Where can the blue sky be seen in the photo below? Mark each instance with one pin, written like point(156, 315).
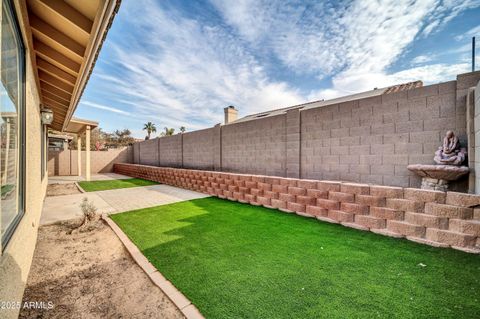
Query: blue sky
point(179, 63)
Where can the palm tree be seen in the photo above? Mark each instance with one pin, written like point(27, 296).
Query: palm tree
point(182, 129)
point(150, 128)
point(168, 131)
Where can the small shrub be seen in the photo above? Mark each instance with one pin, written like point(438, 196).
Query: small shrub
point(90, 216)
point(89, 210)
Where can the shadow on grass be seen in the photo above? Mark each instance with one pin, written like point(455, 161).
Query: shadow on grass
point(237, 260)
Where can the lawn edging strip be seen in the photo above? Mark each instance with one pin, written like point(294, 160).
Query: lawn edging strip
point(184, 305)
point(79, 187)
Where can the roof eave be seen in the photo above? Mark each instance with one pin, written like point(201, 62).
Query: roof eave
point(101, 26)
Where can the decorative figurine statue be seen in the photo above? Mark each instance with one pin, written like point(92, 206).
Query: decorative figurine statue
point(450, 157)
point(450, 153)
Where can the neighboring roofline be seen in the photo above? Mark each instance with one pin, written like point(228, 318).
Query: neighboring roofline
point(312, 104)
point(321, 103)
point(83, 123)
point(105, 22)
point(8, 114)
point(64, 137)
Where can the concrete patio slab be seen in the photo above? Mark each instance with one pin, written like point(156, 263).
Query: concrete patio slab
point(94, 177)
point(66, 207)
point(60, 208)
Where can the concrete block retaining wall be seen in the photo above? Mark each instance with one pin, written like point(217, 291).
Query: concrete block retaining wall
point(444, 219)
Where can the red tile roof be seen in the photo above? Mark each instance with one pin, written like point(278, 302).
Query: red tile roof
point(403, 87)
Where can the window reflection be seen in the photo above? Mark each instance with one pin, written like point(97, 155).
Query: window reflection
point(10, 124)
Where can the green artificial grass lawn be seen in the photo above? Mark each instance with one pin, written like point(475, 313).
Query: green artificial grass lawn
point(94, 186)
point(234, 260)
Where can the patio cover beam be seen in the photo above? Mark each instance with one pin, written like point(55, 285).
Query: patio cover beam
point(47, 78)
point(44, 30)
point(54, 57)
point(68, 14)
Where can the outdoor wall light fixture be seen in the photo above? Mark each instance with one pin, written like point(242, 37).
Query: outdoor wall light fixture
point(47, 116)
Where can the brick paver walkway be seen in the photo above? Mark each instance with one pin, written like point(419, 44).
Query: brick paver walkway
point(94, 177)
point(66, 207)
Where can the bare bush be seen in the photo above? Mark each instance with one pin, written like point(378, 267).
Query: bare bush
point(90, 216)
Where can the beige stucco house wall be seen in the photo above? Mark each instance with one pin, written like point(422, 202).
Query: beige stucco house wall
point(18, 253)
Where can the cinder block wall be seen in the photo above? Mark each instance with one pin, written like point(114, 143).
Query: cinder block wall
point(443, 219)
point(59, 163)
point(170, 151)
point(476, 137)
point(136, 153)
point(199, 149)
point(149, 152)
point(256, 147)
point(64, 163)
point(368, 140)
point(373, 140)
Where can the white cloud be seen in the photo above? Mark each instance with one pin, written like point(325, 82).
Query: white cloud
point(355, 41)
point(429, 74)
point(302, 36)
point(104, 107)
point(323, 38)
point(444, 11)
point(346, 84)
point(176, 69)
point(185, 72)
point(421, 59)
point(470, 33)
